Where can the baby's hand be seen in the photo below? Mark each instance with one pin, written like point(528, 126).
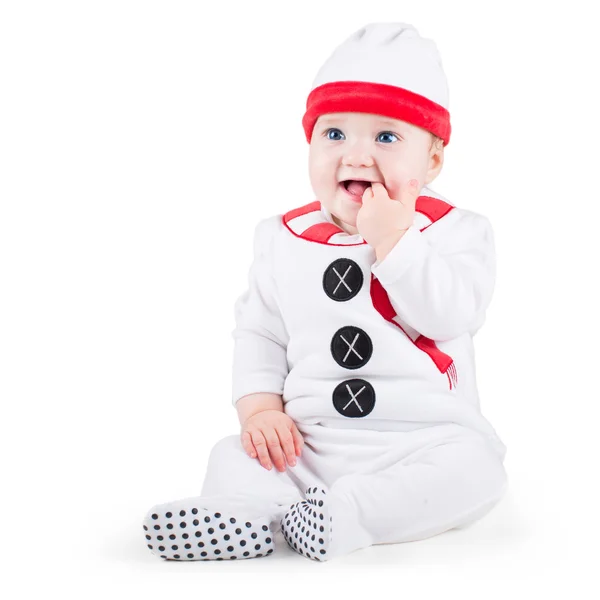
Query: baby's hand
point(275, 433)
point(385, 213)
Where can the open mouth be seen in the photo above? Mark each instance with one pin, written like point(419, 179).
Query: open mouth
point(355, 188)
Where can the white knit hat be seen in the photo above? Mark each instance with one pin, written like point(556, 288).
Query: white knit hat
point(385, 69)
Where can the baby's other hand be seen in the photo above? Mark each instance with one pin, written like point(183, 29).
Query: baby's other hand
point(269, 435)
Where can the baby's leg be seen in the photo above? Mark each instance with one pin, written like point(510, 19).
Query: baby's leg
point(431, 491)
point(231, 472)
point(233, 516)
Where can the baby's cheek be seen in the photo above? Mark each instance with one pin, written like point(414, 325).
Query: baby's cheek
point(393, 187)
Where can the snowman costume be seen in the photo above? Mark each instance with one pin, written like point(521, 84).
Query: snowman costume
point(374, 359)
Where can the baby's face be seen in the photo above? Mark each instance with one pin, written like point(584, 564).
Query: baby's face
point(359, 145)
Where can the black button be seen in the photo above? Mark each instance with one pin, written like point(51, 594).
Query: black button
point(354, 398)
point(342, 279)
point(351, 347)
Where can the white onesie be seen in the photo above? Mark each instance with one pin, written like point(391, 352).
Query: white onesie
point(375, 364)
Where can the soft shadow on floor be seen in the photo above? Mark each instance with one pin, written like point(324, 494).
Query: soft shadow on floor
point(498, 534)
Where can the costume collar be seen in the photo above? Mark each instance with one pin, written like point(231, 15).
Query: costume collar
point(313, 222)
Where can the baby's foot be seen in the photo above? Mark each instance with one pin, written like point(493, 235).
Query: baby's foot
point(307, 526)
point(184, 530)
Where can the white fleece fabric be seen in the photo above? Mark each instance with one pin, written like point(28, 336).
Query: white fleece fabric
point(395, 449)
point(440, 282)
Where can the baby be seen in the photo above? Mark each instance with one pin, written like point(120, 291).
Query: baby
point(353, 366)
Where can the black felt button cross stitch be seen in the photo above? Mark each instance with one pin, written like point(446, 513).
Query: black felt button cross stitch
point(342, 279)
point(354, 398)
point(351, 347)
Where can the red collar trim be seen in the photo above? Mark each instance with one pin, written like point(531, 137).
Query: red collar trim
point(310, 223)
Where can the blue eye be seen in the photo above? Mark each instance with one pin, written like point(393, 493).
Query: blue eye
point(387, 133)
point(329, 131)
point(335, 130)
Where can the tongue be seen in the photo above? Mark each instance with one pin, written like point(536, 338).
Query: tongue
point(358, 187)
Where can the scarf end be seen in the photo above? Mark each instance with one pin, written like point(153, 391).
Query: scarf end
point(452, 375)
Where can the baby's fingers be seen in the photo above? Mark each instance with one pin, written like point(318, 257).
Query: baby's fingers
point(275, 449)
point(260, 444)
point(248, 445)
point(287, 444)
point(298, 439)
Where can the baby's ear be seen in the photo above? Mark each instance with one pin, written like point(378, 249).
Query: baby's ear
point(436, 162)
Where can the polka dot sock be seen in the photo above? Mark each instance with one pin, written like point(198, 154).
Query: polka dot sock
point(307, 526)
point(184, 530)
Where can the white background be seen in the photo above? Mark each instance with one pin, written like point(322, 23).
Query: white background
point(140, 143)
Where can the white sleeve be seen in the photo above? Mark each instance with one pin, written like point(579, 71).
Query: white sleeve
point(260, 337)
point(441, 280)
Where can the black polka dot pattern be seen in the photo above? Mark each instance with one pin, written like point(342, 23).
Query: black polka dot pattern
point(307, 526)
point(210, 536)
